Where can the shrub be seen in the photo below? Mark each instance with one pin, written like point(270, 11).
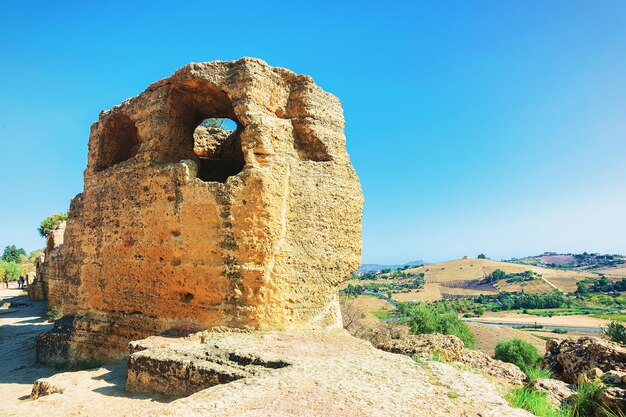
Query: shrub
point(615, 331)
point(53, 314)
point(426, 321)
point(518, 352)
point(49, 223)
point(479, 311)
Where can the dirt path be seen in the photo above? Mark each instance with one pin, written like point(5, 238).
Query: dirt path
point(549, 283)
point(91, 391)
point(21, 319)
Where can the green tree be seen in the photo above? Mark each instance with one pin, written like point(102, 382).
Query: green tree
point(482, 256)
point(518, 352)
point(49, 223)
point(616, 331)
point(496, 275)
point(10, 272)
point(582, 288)
point(13, 254)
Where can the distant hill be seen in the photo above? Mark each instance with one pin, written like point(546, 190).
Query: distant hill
point(379, 267)
point(574, 261)
point(466, 277)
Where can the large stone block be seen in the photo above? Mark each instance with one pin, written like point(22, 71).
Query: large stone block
point(180, 229)
point(571, 359)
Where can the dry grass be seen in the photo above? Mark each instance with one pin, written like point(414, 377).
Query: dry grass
point(344, 285)
point(487, 337)
point(613, 273)
point(430, 292)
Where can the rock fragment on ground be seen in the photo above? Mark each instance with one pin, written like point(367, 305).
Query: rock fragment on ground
point(557, 391)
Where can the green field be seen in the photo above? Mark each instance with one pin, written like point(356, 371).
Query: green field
point(383, 314)
point(565, 311)
point(617, 317)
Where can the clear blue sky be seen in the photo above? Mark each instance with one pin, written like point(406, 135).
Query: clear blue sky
point(475, 126)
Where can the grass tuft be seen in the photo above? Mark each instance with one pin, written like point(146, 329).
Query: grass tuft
point(539, 373)
point(534, 402)
point(586, 399)
point(452, 394)
point(584, 404)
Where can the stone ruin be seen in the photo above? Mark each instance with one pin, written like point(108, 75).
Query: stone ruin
point(183, 227)
point(38, 290)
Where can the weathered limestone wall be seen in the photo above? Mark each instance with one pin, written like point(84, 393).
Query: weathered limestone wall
point(164, 240)
point(38, 287)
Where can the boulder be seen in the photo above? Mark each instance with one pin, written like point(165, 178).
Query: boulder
point(556, 391)
point(613, 399)
point(613, 377)
point(502, 371)
point(43, 387)
point(595, 373)
point(424, 346)
point(571, 359)
point(181, 368)
point(53, 347)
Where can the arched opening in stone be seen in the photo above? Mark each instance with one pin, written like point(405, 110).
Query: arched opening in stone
point(118, 141)
point(202, 126)
point(217, 144)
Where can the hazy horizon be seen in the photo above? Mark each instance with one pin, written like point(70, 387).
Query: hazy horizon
point(482, 127)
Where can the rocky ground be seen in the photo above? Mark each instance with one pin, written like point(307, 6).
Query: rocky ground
point(328, 373)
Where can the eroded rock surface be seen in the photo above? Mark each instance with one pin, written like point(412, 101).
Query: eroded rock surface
point(330, 373)
point(571, 359)
point(180, 368)
point(450, 348)
point(424, 346)
point(179, 230)
point(556, 391)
